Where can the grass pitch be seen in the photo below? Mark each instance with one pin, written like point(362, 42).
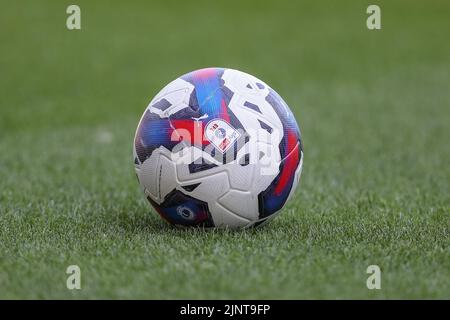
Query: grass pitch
point(374, 110)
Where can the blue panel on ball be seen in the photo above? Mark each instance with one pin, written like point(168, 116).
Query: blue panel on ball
point(181, 209)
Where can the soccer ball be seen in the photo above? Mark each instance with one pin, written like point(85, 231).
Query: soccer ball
point(218, 148)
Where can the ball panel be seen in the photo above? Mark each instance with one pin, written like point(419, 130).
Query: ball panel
point(276, 195)
point(181, 209)
point(243, 203)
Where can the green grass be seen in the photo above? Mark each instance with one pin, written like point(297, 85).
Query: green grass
point(374, 109)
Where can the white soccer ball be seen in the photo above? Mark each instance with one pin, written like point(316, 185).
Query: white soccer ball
point(218, 148)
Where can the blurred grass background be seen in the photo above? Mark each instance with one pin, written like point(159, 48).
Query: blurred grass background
point(373, 106)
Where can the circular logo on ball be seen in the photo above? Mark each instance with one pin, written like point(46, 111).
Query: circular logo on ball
point(185, 213)
point(221, 134)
